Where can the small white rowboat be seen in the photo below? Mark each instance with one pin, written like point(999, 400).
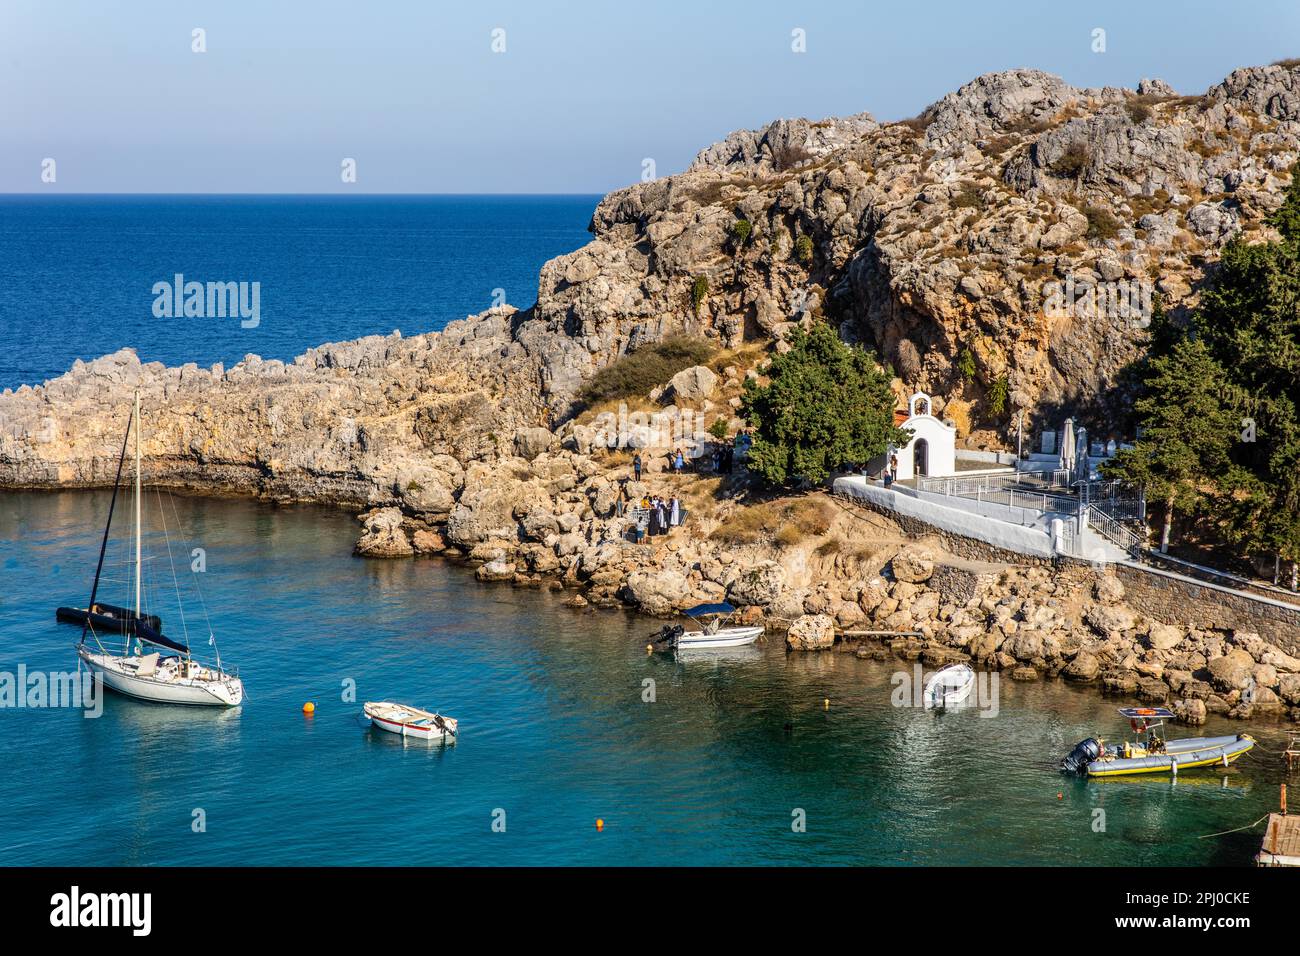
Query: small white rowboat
point(410, 721)
point(949, 687)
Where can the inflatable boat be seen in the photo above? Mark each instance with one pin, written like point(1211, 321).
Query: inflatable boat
point(1150, 752)
point(108, 618)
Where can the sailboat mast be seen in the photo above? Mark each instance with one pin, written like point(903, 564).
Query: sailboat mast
point(137, 506)
point(103, 544)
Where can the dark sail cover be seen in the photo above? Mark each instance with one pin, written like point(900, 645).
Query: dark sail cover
point(147, 633)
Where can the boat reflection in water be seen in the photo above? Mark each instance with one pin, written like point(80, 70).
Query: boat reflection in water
point(723, 655)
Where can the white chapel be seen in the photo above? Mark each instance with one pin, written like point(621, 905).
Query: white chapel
point(932, 451)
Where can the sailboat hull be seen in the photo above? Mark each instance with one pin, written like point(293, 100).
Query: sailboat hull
point(118, 675)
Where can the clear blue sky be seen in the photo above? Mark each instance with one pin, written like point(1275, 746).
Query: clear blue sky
point(584, 92)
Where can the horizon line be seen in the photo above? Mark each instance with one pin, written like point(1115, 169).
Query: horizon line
point(5, 195)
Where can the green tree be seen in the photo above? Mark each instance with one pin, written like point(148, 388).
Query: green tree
point(826, 404)
point(966, 364)
point(1249, 320)
point(1187, 431)
point(803, 249)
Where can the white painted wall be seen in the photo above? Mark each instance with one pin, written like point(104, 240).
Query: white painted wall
point(941, 458)
point(1001, 534)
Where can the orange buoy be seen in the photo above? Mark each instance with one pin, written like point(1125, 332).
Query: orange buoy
point(309, 708)
point(600, 824)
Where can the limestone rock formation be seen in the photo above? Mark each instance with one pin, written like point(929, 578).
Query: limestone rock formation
point(383, 537)
point(914, 565)
point(693, 384)
point(758, 585)
point(811, 632)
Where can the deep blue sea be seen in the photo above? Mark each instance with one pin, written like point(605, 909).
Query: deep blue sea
point(556, 731)
point(77, 272)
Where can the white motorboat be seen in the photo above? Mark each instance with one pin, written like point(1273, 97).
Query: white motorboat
point(949, 687)
point(407, 721)
point(712, 633)
point(176, 678)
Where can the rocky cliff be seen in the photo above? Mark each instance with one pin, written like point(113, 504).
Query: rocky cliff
point(931, 240)
point(936, 241)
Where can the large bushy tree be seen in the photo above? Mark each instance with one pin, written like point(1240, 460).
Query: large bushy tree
point(825, 404)
point(1222, 396)
point(1187, 431)
point(1250, 321)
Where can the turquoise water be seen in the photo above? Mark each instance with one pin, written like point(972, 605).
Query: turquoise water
point(554, 732)
point(77, 272)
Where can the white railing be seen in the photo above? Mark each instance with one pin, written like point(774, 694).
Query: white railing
point(966, 487)
point(1115, 532)
point(1005, 490)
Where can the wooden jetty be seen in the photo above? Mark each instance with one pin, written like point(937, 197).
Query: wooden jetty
point(1281, 839)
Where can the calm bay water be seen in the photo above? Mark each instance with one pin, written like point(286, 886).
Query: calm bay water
point(77, 272)
point(555, 732)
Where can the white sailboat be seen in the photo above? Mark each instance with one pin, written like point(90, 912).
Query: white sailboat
point(169, 676)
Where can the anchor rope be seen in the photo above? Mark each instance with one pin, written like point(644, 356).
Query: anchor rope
point(1249, 826)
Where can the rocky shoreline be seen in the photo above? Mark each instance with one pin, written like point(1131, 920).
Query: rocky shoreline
point(1030, 621)
point(930, 241)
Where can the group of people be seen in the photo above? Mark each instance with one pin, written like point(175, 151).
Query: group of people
point(723, 458)
point(655, 515)
point(676, 461)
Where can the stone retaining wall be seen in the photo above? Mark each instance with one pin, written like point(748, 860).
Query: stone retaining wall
point(1175, 599)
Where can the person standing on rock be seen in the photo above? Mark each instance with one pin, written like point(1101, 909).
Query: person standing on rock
point(674, 513)
point(679, 462)
point(636, 466)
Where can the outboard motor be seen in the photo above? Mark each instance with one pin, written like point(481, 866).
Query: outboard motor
point(1084, 753)
point(669, 632)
